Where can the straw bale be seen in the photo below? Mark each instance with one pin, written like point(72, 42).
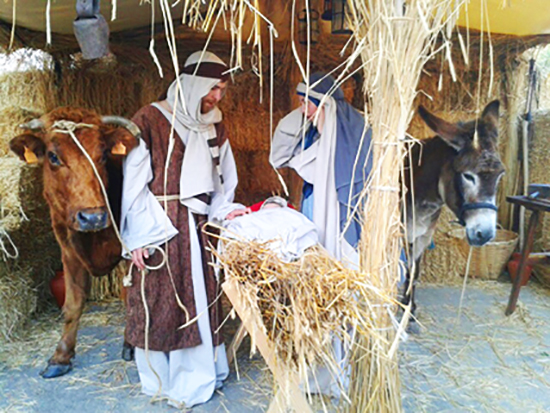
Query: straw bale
point(33, 89)
point(248, 119)
point(10, 119)
point(121, 91)
point(11, 211)
point(18, 300)
point(538, 168)
point(444, 264)
point(26, 223)
point(257, 178)
point(110, 285)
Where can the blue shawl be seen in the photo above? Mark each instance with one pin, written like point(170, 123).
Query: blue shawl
point(349, 147)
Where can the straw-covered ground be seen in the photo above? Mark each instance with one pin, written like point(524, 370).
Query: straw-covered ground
point(485, 362)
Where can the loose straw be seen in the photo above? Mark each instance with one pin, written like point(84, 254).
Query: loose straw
point(464, 283)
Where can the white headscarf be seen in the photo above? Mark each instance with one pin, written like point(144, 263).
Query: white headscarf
point(200, 172)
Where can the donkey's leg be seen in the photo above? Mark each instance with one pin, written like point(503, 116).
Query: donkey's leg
point(77, 282)
point(410, 286)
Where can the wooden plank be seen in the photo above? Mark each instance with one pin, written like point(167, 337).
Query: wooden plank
point(278, 404)
point(530, 203)
point(236, 343)
point(285, 378)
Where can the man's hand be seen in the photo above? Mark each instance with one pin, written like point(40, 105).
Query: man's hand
point(237, 213)
point(139, 255)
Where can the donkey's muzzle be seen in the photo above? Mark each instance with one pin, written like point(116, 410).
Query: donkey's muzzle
point(92, 219)
point(479, 236)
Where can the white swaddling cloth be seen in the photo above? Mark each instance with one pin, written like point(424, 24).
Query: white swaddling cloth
point(289, 231)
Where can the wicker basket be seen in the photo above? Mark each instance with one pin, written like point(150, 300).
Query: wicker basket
point(489, 261)
point(542, 274)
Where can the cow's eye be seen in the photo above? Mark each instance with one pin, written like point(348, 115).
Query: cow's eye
point(54, 159)
point(469, 177)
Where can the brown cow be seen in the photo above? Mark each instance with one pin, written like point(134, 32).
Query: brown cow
point(80, 219)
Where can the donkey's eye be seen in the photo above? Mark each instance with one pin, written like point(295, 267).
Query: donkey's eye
point(54, 159)
point(469, 177)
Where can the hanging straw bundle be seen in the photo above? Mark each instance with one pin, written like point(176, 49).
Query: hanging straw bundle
point(394, 41)
point(304, 304)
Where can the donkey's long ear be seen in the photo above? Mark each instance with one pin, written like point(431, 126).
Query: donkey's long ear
point(491, 113)
point(452, 134)
point(28, 147)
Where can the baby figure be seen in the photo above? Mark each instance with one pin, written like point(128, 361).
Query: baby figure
point(289, 231)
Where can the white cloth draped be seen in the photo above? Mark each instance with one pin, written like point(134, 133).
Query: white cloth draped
point(143, 220)
point(290, 232)
point(221, 203)
point(198, 173)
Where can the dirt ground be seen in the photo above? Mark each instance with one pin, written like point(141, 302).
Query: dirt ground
point(482, 362)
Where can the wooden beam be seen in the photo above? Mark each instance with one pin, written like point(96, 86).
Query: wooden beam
point(289, 389)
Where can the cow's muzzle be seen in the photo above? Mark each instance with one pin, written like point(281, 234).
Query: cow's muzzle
point(92, 219)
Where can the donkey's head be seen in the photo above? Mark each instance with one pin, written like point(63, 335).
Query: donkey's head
point(469, 180)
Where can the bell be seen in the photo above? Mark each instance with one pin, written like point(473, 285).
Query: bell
point(91, 30)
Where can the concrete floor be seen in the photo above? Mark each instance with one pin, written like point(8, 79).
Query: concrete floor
point(482, 362)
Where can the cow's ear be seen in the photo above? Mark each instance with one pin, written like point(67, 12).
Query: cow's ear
point(28, 147)
point(120, 141)
point(451, 133)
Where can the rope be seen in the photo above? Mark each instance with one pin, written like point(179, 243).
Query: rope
point(7, 254)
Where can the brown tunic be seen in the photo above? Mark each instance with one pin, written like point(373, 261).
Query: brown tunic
point(165, 316)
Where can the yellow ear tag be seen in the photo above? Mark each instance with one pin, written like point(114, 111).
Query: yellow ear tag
point(119, 149)
point(29, 155)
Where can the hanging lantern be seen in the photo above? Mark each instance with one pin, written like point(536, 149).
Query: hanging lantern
point(313, 26)
point(327, 11)
point(339, 23)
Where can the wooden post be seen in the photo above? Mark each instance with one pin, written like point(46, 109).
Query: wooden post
point(526, 250)
point(235, 343)
point(289, 393)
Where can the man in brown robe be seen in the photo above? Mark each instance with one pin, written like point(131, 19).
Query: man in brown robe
point(182, 175)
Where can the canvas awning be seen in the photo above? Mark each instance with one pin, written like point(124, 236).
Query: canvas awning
point(514, 17)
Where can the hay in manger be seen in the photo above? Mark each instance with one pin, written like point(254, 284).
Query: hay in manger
point(304, 305)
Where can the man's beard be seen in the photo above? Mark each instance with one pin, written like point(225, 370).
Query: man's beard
point(207, 107)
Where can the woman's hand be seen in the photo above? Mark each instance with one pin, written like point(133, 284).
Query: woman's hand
point(237, 213)
point(139, 255)
point(320, 121)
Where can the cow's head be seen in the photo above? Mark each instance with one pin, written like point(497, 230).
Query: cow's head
point(71, 187)
point(468, 183)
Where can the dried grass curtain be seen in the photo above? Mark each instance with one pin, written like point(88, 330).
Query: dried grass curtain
point(395, 39)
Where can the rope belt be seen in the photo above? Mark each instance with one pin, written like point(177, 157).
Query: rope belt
point(166, 198)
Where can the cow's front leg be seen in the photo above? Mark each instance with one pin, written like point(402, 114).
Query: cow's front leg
point(76, 288)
